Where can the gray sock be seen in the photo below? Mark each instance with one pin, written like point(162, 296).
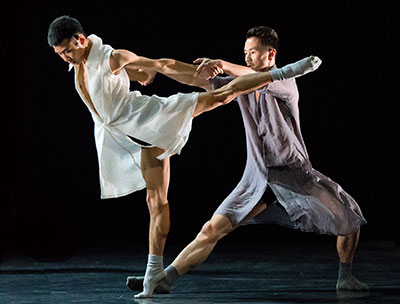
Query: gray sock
point(344, 269)
point(172, 274)
point(163, 286)
point(135, 283)
point(346, 281)
point(299, 68)
point(154, 274)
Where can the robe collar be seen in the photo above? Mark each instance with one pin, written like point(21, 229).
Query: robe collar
point(91, 61)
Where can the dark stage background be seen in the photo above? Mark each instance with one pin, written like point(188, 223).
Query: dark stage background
point(51, 198)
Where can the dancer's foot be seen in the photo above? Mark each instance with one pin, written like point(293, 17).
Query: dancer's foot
point(346, 280)
point(154, 274)
point(351, 283)
point(149, 284)
point(136, 284)
point(297, 69)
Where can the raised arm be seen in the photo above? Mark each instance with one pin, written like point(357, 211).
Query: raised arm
point(209, 68)
point(172, 68)
point(121, 58)
point(136, 74)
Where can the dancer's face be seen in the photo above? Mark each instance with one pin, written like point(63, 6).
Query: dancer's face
point(257, 56)
point(72, 50)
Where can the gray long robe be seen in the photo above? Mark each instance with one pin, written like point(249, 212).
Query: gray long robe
point(277, 157)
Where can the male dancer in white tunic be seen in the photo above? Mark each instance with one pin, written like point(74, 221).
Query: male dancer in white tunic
point(276, 158)
point(162, 125)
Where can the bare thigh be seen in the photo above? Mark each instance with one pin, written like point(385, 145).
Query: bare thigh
point(208, 101)
point(155, 172)
point(261, 206)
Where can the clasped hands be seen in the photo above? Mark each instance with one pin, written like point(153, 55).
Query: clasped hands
point(208, 68)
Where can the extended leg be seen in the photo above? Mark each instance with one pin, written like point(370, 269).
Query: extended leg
point(194, 254)
point(248, 83)
point(200, 248)
point(346, 248)
point(197, 251)
point(156, 174)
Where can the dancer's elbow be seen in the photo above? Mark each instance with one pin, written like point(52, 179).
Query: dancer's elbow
point(163, 64)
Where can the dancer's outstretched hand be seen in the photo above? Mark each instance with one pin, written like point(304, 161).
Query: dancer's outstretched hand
point(208, 68)
point(150, 77)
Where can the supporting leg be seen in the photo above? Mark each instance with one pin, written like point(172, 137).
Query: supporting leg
point(346, 248)
point(156, 174)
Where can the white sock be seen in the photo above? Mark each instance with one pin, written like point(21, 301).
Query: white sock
point(154, 274)
point(299, 68)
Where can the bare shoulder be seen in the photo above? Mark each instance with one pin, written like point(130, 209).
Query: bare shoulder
point(119, 59)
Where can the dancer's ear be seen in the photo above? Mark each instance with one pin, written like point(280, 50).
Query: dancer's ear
point(80, 38)
point(271, 54)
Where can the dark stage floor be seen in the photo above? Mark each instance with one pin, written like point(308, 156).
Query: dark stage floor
point(277, 272)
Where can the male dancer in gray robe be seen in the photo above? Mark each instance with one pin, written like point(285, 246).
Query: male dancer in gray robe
point(276, 158)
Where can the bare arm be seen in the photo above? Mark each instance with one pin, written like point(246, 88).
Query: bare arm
point(135, 74)
point(235, 70)
point(119, 59)
point(189, 79)
point(209, 68)
point(174, 69)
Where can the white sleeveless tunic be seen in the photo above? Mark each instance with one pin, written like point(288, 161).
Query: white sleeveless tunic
point(162, 122)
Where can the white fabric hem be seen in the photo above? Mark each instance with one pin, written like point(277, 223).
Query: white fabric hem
point(110, 196)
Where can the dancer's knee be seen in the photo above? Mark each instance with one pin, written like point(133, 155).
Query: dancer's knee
point(208, 234)
point(156, 203)
point(213, 231)
point(353, 234)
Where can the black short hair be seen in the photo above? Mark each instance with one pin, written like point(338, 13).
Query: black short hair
point(267, 35)
point(61, 28)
